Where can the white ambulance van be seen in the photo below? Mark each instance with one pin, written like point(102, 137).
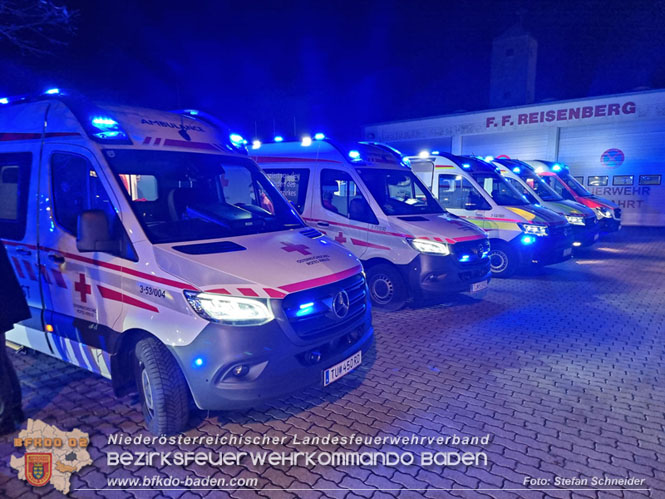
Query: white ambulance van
point(522, 176)
point(559, 178)
point(366, 198)
point(154, 252)
point(520, 232)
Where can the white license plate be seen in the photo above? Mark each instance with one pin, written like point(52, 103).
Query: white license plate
point(478, 286)
point(340, 370)
point(595, 237)
point(568, 251)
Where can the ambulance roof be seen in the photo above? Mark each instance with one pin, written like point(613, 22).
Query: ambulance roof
point(466, 163)
point(327, 152)
point(72, 117)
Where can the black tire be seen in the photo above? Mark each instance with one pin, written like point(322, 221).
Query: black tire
point(504, 260)
point(162, 388)
point(387, 289)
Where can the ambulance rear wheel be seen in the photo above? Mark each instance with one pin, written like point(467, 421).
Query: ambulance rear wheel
point(503, 259)
point(162, 388)
point(386, 287)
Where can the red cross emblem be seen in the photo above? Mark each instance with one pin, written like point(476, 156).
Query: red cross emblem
point(300, 248)
point(340, 238)
point(83, 288)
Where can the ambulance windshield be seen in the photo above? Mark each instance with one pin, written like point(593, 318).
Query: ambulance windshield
point(501, 191)
point(574, 184)
point(181, 196)
point(543, 190)
point(399, 192)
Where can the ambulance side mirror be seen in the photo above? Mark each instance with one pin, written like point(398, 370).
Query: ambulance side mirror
point(94, 233)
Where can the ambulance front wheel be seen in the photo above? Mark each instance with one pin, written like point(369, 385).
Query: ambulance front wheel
point(387, 289)
point(162, 388)
point(504, 260)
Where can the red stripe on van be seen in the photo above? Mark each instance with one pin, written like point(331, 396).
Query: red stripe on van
point(248, 292)
point(359, 242)
point(147, 140)
point(111, 294)
point(320, 281)
point(273, 293)
point(469, 238)
point(17, 267)
point(117, 268)
point(28, 269)
point(219, 291)
point(396, 234)
point(6, 137)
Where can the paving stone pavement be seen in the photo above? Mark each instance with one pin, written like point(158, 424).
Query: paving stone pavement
point(563, 368)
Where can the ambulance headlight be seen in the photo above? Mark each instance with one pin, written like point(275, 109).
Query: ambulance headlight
point(231, 310)
point(533, 229)
point(575, 220)
point(429, 247)
point(603, 212)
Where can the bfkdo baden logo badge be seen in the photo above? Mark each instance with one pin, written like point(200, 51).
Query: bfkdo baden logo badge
point(51, 455)
point(38, 468)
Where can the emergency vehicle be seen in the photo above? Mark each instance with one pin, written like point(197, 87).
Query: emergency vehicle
point(520, 233)
point(365, 197)
point(154, 252)
point(522, 176)
point(559, 178)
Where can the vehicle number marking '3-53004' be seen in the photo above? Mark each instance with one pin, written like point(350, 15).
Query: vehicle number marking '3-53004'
point(150, 291)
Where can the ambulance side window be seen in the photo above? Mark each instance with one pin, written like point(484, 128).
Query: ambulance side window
point(14, 185)
point(457, 193)
point(77, 188)
point(292, 183)
point(341, 195)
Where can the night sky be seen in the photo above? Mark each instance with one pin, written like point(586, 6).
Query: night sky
point(335, 66)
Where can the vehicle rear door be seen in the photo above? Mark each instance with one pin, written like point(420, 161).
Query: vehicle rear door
point(19, 170)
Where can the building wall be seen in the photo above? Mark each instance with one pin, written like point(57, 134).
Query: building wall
point(610, 136)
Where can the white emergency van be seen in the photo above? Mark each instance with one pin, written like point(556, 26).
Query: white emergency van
point(522, 176)
point(366, 198)
point(519, 232)
point(154, 252)
point(559, 178)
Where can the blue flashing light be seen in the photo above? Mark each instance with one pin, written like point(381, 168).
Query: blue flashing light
point(435, 153)
point(423, 154)
point(305, 309)
point(4, 100)
point(489, 158)
point(306, 141)
point(466, 166)
point(193, 112)
point(106, 128)
point(464, 258)
point(100, 121)
point(236, 139)
point(256, 144)
point(52, 91)
point(279, 138)
point(527, 240)
point(516, 169)
point(198, 362)
point(319, 136)
point(354, 154)
point(556, 168)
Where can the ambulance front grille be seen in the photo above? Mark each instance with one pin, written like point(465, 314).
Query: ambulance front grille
point(322, 320)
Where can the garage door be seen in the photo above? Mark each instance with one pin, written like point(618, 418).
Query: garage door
point(622, 162)
point(527, 144)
